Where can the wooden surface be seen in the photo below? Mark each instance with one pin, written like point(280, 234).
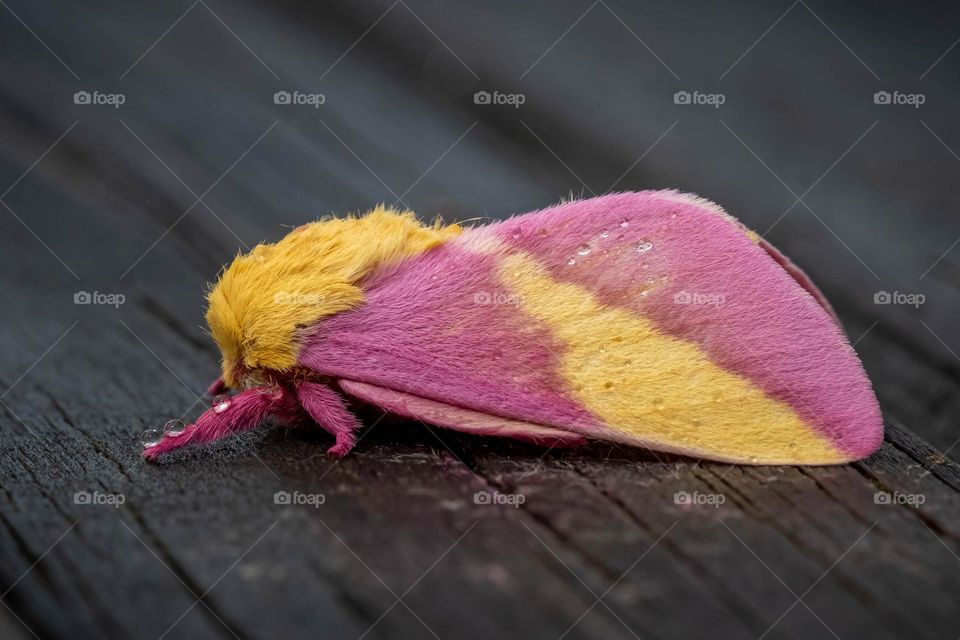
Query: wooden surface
point(150, 199)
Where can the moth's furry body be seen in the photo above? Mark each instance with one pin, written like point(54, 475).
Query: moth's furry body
point(649, 318)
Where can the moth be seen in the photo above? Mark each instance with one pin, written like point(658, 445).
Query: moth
point(653, 319)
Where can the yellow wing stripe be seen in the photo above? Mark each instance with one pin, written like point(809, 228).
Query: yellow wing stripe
point(656, 388)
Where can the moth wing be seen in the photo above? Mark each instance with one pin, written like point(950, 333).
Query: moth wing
point(458, 418)
point(650, 318)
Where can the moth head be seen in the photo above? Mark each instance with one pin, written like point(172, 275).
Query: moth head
point(266, 299)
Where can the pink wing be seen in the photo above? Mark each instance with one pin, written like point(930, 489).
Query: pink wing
point(440, 328)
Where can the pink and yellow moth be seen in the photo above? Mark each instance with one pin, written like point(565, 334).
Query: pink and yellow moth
point(653, 319)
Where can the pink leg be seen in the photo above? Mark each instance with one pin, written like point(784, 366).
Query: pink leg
point(217, 387)
point(326, 407)
point(244, 411)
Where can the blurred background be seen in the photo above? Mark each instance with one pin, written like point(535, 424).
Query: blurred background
point(145, 144)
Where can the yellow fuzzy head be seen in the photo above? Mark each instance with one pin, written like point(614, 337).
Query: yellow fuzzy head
point(265, 296)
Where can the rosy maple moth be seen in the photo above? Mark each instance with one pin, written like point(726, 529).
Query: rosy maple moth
point(653, 319)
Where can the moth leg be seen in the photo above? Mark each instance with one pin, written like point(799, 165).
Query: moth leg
point(242, 412)
point(327, 408)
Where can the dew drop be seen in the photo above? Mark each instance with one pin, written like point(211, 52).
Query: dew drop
point(605, 234)
point(173, 428)
point(624, 222)
point(583, 249)
point(221, 403)
point(541, 232)
point(753, 459)
point(572, 261)
point(515, 235)
point(643, 246)
point(151, 438)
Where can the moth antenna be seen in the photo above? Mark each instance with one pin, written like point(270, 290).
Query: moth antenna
point(229, 415)
point(327, 409)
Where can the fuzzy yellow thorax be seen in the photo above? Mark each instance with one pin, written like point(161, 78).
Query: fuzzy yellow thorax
point(263, 297)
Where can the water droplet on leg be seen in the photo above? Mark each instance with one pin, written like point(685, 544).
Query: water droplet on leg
point(221, 403)
point(583, 249)
point(151, 438)
point(173, 428)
